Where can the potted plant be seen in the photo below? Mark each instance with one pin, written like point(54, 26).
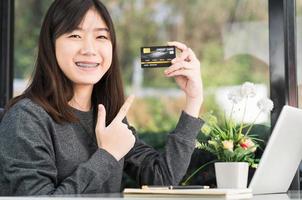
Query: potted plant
point(232, 143)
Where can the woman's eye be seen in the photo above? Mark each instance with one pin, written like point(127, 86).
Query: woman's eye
point(102, 37)
point(74, 36)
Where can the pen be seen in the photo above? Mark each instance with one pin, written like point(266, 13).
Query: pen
point(174, 187)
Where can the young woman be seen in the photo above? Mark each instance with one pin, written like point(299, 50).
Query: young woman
point(67, 133)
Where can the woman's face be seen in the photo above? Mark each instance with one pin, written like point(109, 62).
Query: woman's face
point(85, 54)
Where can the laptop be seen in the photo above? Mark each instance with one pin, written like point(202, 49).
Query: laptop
point(282, 155)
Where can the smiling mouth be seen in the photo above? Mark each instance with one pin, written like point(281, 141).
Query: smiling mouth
point(87, 65)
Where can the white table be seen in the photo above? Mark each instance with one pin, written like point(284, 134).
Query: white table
point(290, 195)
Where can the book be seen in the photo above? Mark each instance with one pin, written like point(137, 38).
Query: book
point(189, 193)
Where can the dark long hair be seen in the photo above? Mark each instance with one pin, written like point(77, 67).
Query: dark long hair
point(49, 87)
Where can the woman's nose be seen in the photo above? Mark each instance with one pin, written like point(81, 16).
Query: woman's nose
point(88, 48)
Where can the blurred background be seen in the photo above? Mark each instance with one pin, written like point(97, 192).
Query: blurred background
point(230, 38)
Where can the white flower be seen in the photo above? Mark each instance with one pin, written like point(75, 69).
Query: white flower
point(228, 145)
point(265, 105)
point(248, 89)
point(235, 96)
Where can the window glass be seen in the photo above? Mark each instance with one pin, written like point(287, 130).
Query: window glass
point(28, 19)
point(230, 38)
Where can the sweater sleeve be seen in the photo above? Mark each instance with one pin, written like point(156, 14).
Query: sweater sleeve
point(28, 163)
point(151, 167)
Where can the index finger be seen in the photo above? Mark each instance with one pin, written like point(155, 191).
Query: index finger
point(178, 45)
point(124, 109)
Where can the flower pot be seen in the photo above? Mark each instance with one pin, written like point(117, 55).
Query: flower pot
point(231, 174)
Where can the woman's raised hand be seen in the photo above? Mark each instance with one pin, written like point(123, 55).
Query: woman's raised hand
point(116, 138)
point(186, 70)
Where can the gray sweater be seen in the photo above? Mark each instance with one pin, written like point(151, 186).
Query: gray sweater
point(39, 156)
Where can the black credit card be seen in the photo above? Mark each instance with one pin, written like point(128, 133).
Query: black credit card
point(157, 56)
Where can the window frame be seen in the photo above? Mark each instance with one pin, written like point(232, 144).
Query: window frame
point(6, 50)
point(283, 63)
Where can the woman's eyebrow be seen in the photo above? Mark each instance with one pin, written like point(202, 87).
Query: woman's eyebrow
point(96, 29)
point(101, 29)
